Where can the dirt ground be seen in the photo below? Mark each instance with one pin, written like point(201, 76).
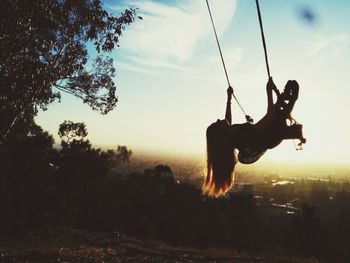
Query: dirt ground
point(72, 245)
point(65, 245)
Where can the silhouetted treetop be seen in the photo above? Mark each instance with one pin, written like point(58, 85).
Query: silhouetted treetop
point(45, 51)
point(123, 153)
point(69, 130)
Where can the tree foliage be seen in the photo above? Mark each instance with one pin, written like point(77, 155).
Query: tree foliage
point(45, 51)
point(69, 130)
point(123, 153)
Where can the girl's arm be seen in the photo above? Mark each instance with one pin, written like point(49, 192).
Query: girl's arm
point(270, 114)
point(228, 115)
point(270, 86)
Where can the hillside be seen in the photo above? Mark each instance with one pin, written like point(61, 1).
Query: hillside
point(73, 245)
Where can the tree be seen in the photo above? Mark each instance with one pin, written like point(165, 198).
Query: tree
point(123, 154)
point(45, 51)
point(69, 130)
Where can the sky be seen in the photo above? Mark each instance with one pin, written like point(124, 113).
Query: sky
point(171, 84)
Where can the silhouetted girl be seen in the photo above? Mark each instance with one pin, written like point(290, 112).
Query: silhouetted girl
point(227, 144)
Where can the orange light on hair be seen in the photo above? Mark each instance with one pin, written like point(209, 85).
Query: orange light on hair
point(212, 188)
point(221, 160)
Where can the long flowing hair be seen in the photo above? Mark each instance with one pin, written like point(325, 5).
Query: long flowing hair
point(221, 160)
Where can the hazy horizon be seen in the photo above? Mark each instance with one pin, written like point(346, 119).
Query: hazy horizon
point(201, 156)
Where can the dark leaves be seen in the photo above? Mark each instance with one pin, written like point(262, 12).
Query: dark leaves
point(44, 46)
point(95, 87)
point(123, 153)
point(69, 130)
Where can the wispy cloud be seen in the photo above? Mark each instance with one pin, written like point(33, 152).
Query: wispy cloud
point(328, 48)
point(170, 34)
point(136, 68)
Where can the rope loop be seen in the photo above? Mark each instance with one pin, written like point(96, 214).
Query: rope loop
point(223, 64)
point(249, 119)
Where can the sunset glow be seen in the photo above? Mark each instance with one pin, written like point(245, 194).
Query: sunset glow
point(171, 84)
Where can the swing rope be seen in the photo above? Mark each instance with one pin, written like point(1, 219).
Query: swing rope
point(248, 118)
point(217, 41)
point(264, 44)
point(299, 146)
point(263, 38)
